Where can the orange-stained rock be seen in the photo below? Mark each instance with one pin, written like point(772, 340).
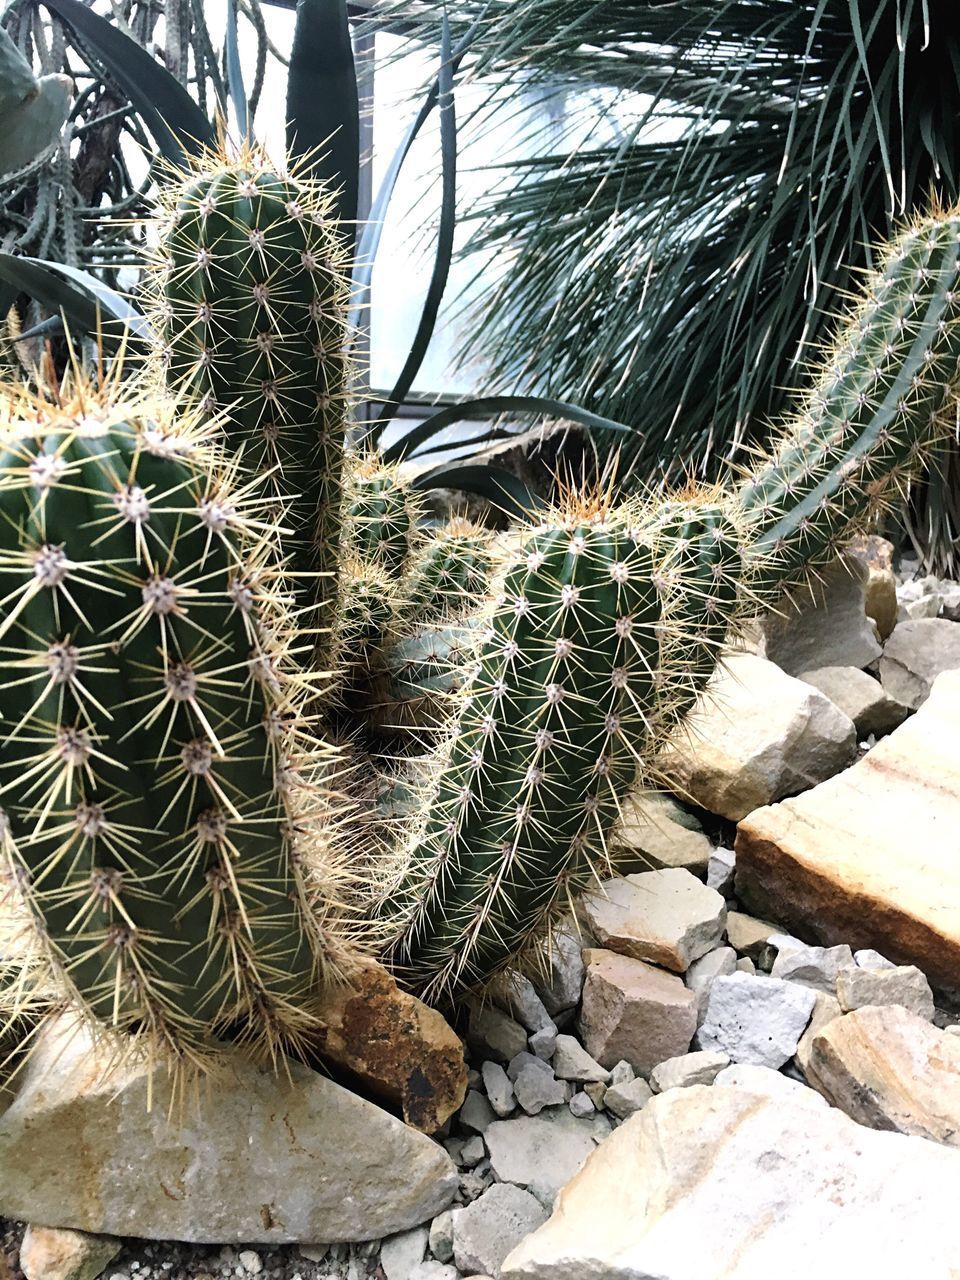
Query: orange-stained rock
point(881, 590)
point(872, 856)
point(400, 1048)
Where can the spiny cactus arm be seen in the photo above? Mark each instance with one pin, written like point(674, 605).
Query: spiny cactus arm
point(547, 739)
point(253, 291)
point(886, 396)
point(416, 677)
point(452, 569)
point(151, 727)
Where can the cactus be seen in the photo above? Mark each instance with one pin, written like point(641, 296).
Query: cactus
point(452, 569)
point(253, 291)
point(417, 676)
point(380, 515)
point(886, 395)
point(157, 773)
point(32, 111)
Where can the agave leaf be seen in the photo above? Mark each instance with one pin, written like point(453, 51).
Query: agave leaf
point(502, 487)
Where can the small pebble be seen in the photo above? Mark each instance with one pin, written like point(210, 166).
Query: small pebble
point(581, 1106)
point(251, 1262)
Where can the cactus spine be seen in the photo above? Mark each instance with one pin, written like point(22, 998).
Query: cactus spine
point(253, 291)
point(454, 567)
point(158, 822)
point(381, 514)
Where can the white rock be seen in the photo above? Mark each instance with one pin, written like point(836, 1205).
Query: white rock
point(624, 1099)
point(825, 1011)
point(754, 1019)
point(441, 1236)
point(543, 1043)
point(721, 869)
point(47, 1253)
point(252, 1264)
point(870, 959)
point(746, 965)
point(690, 1068)
point(472, 1152)
point(699, 977)
point(756, 736)
point(536, 1089)
point(264, 1159)
point(434, 1271)
point(543, 1152)
point(915, 655)
point(622, 1073)
point(903, 984)
point(728, 1184)
point(485, 1231)
point(572, 1062)
point(498, 1087)
point(400, 1254)
point(812, 966)
point(747, 1075)
point(561, 987)
point(666, 917)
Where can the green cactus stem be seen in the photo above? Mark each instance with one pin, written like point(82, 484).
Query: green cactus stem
point(157, 773)
point(381, 514)
point(253, 293)
point(451, 572)
point(416, 677)
point(886, 396)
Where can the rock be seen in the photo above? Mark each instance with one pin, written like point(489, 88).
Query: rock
point(252, 1264)
point(888, 1069)
point(720, 871)
point(517, 996)
point(624, 1099)
point(915, 655)
point(749, 936)
point(631, 1010)
point(499, 1088)
point(400, 1254)
point(880, 602)
point(904, 985)
point(79, 1148)
point(667, 917)
point(754, 1019)
point(815, 967)
point(655, 831)
point(472, 1152)
point(870, 857)
point(756, 736)
point(689, 1069)
point(870, 959)
point(542, 1153)
point(403, 1050)
point(564, 969)
point(486, 1231)
point(441, 1236)
point(728, 1184)
point(572, 1062)
point(860, 697)
point(774, 1084)
point(622, 1073)
point(824, 622)
point(493, 1034)
point(699, 977)
point(597, 1092)
point(543, 1043)
point(476, 1112)
point(516, 1065)
point(746, 965)
point(536, 1089)
point(50, 1253)
point(581, 1106)
point(434, 1271)
point(824, 1011)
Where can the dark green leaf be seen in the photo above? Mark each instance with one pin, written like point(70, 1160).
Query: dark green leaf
point(502, 487)
point(88, 304)
point(177, 124)
point(238, 94)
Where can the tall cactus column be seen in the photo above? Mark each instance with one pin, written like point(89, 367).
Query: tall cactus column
point(253, 292)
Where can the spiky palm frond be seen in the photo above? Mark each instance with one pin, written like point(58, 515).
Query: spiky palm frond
point(673, 274)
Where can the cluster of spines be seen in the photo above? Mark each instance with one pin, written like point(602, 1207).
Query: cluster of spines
point(452, 570)
point(381, 515)
point(252, 292)
point(165, 818)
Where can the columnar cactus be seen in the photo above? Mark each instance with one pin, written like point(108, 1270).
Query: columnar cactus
point(453, 568)
point(886, 395)
point(253, 292)
point(158, 777)
point(380, 515)
point(417, 676)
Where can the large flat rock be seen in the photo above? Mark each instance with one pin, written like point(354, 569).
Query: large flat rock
point(254, 1157)
point(872, 856)
point(724, 1183)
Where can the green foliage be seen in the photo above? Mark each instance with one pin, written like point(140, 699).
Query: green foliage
point(32, 110)
point(156, 820)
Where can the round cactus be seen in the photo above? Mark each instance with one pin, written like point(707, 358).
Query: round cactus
point(162, 813)
point(451, 572)
point(380, 515)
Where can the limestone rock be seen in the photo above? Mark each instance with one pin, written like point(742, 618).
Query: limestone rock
point(757, 735)
point(889, 1069)
point(880, 602)
point(403, 1050)
point(400, 1254)
point(702, 1067)
point(870, 857)
point(538, 1089)
point(860, 697)
point(517, 996)
point(51, 1253)
point(572, 1062)
point(824, 623)
point(542, 1153)
point(749, 936)
point(476, 1112)
point(560, 987)
point(728, 1184)
point(655, 831)
point(635, 1012)
point(494, 1034)
point(260, 1158)
point(498, 1087)
point(543, 1043)
point(624, 1099)
point(824, 1011)
point(755, 1019)
point(431, 1270)
point(699, 977)
point(902, 984)
point(667, 917)
point(486, 1231)
point(441, 1236)
point(915, 655)
point(815, 967)
point(581, 1105)
point(720, 871)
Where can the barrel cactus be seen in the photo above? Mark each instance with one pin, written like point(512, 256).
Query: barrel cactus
point(164, 818)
